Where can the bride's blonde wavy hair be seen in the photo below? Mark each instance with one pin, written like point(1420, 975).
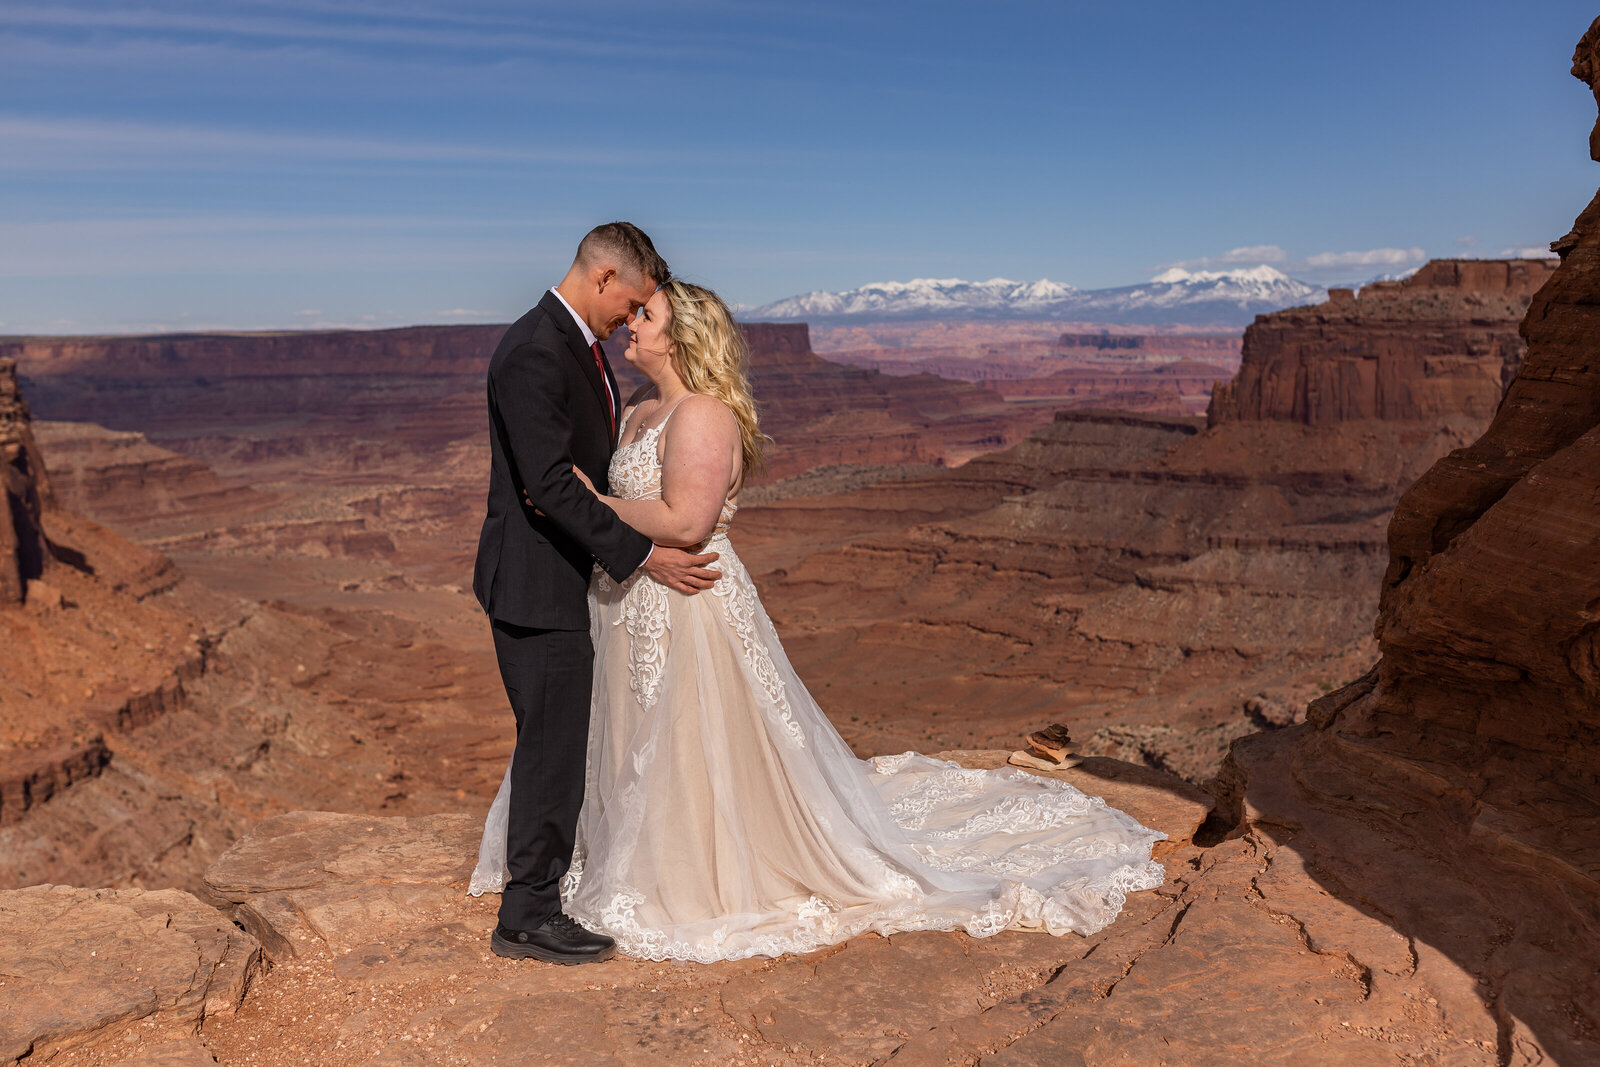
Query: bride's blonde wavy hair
point(710, 355)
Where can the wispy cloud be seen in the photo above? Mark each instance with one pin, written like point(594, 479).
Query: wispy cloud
point(1247, 256)
point(1320, 267)
point(370, 27)
point(35, 144)
point(547, 35)
point(140, 246)
point(1529, 252)
point(1372, 257)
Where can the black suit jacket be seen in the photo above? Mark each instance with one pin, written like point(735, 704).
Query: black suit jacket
point(547, 412)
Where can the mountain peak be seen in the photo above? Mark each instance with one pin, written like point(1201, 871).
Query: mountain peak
point(1221, 298)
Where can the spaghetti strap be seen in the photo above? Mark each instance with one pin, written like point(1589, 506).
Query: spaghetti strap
point(662, 425)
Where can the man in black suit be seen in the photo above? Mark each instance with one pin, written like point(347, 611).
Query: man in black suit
point(553, 404)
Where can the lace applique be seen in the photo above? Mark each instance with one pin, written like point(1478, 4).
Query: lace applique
point(990, 919)
point(892, 882)
point(573, 878)
point(644, 613)
point(737, 592)
point(1021, 814)
point(891, 764)
point(817, 927)
point(951, 784)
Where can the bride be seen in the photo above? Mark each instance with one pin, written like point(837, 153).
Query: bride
point(723, 816)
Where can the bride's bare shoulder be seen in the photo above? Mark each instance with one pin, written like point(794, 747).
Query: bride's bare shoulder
point(699, 415)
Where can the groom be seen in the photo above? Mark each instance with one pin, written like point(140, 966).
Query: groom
point(553, 404)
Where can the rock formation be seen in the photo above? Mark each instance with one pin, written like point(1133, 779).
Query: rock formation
point(1168, 373)
point(1241, 957)
point(144, 719)
point(400, 401)
point(86, 964)
point(1150, 577)
point(24, 487)
point(143, 491)
point(1438, 346)
point(1473, 748)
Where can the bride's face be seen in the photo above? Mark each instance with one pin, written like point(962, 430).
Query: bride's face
point(649, 343)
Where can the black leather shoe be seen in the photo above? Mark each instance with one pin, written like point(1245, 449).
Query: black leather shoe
point(559, 940)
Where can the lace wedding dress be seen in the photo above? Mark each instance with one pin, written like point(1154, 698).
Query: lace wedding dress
point(724, 817)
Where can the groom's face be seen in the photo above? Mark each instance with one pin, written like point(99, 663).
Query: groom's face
point(621, 294)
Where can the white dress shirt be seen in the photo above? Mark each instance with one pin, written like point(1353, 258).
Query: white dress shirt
point(589, 338)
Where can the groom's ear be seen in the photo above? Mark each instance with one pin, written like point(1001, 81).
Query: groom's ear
point(603, 277)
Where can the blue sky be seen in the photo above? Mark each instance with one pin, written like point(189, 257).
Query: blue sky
point(186, 164)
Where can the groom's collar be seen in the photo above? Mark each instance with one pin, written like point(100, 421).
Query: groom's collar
point(588, 334)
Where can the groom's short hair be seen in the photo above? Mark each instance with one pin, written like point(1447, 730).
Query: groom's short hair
point(627, 246)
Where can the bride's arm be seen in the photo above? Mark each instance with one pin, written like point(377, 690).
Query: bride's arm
point(699, 453)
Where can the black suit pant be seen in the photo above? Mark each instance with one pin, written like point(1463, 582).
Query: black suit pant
point(547, 675)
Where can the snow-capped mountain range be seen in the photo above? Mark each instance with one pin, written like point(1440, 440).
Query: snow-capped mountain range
point(1221, 298)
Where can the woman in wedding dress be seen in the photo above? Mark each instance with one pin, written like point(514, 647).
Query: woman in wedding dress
point(723, 816)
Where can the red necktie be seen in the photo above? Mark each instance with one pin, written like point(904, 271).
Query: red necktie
point(605, 383)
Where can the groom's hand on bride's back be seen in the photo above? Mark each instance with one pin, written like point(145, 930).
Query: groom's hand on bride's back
point(680, 570)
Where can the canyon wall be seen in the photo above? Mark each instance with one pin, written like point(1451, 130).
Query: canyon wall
point(24, 487)
point(1467, 762)
point(1439, 345)
point(410, 401)
point(138, 382)
point(1168, 599)
point(1489, 623)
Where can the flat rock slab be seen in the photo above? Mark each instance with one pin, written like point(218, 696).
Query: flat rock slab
point(76, 963)
point(1243, 956)
point(340, 881)
point(312, 848)
point(1240, 958)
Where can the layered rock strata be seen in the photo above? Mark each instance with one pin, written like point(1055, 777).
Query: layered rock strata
point(24, 488)
point(145, 719)
point(85, 965)
point(1439, 345)
point(358, 404)
point(1155, 591)
point(143, 491)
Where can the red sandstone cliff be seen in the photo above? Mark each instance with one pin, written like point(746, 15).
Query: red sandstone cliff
point(1439, 344)
point(389, 402)
point(24, 488)
point(1167, 583)
point(1468, 760)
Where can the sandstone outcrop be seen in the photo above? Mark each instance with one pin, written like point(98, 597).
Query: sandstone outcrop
point(25, 487)
point(143, 491)
point(86, 964)
point(1439, 345)
point(378, 944)
point(355, 403)
point(145, 720)
point(1469, 753)
point(81, 650)
point(1152, 577)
